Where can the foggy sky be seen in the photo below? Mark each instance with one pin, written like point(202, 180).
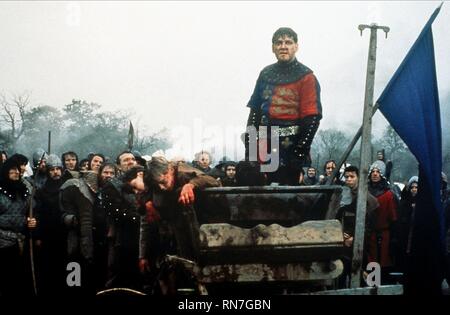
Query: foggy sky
point(180, 63)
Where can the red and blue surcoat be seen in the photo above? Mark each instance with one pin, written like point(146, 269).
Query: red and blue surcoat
point(287, 95)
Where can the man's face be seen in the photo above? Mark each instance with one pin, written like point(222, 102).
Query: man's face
point(42, 167)
point(351, 180)
point(284, 48)
point(204, 160)
point(166, 182)
point(55, 173)
point(127, 161)
point(70, 162)
point(84, 166)
point(329, 168)
point(96, 162)
point(375, 176)
point(414, 189)
point(311, 172)
point(138, 183)
point(231, 171)
point(14, 174)
point(107, 173)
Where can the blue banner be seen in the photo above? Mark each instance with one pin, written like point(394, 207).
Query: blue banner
point(410, 103)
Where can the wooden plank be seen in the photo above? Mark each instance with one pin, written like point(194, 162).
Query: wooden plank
point(309, 241)
point(308, 233)
point(315, 271)
point(250, 209)
point(270, 254)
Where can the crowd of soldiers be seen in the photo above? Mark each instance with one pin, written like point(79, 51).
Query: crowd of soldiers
point(91, 212)
point(118, 219)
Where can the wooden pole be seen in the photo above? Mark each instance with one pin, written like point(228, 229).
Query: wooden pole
point(49, 142)
point(361, 202)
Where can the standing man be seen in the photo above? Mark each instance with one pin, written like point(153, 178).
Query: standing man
point(70, 161)
point(70, 165)
point(125, 160)
point(405, 220)
point(121, 208)
point(15, 226)
point(384, 234)
point(203, 161)
point(39, 168)
point(287, 95)
point(96, 161)
point(230, 174)
point(347, 216)
point(311, 176)
point(77, 196)
point(388, 163)
point(50, 234)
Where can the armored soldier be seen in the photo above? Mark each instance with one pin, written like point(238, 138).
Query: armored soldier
point(50, 234)
point(39, 168)
point(287, 95)
point(120, 206)
point(77, 196)
point(14, 225)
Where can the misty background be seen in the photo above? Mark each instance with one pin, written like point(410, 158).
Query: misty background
point(184, 72)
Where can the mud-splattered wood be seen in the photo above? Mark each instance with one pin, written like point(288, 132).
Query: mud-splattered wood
point(314, 271)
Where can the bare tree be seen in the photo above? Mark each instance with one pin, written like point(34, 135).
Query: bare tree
point(331, 143)
point(12, 118)
point(404, 163)
point(392, 143)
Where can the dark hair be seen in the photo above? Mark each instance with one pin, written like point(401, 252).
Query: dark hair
point(329, 161)
point(284, 31)
point(63, 156)
point(122, 153)
point(352, 168)
point(8, 165)
point(82, 162)
point(229, 163)
point(132, 173)
point(14, 188)
point(19, 159)
point(108, 164)
point(92, 157)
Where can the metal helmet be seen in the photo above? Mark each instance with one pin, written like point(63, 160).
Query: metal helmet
point(38, 155)
point(378, 164)
point(54, 161)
